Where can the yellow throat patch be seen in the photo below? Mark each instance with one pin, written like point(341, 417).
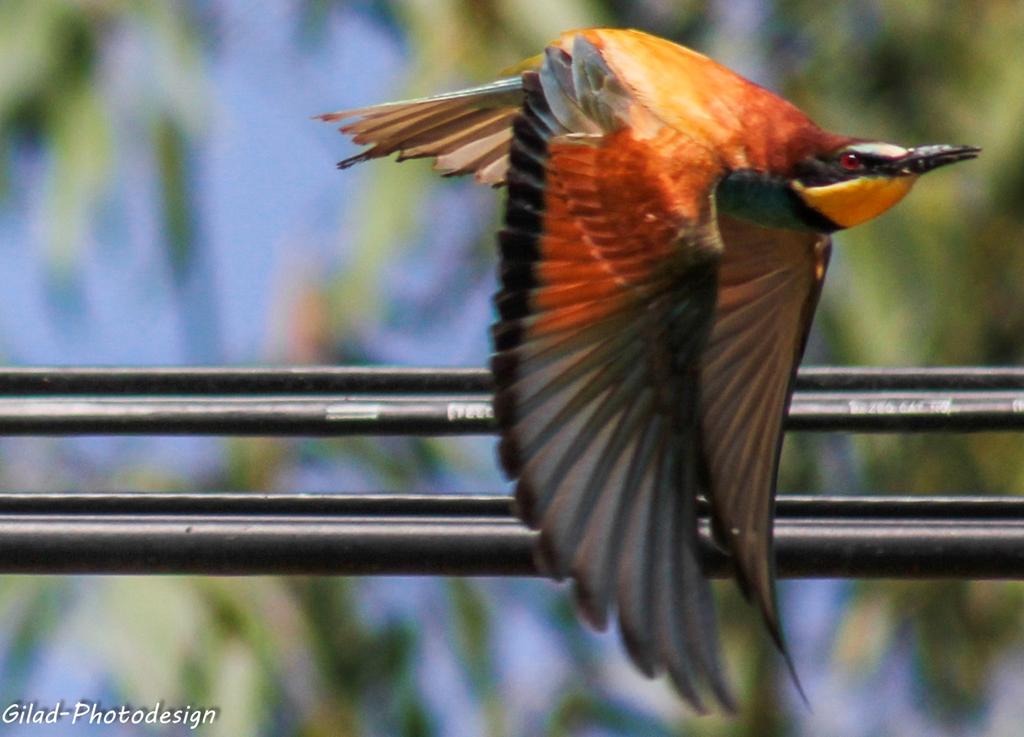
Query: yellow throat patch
point(854, 201)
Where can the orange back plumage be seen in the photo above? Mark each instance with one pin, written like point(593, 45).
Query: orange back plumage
point(747, 126)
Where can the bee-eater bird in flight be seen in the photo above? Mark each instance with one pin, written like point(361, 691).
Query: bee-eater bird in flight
point(666, 237)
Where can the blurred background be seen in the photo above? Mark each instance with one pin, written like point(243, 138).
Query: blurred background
point(166, 199)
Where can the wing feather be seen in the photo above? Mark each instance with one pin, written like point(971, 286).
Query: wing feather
point(452, 135)
point(627, 357)
point(599, 553)
point(609, 257)
point(769, 282)
point(477, 154)
point(467, 132)
point(666, 550)
point(636, 571)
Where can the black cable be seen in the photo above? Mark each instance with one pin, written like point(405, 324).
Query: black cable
point(198, 380)
point(52, 381)
point(432, 414)
point(977, 537)
point(241, 534)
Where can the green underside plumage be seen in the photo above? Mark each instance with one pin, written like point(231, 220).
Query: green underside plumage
point(767, 201)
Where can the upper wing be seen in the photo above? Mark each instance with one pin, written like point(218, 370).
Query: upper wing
point(467, 131)
point(609, 259)
point(769, 281)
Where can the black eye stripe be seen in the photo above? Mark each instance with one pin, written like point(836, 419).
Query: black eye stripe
point(827, 169)
point(866, 159)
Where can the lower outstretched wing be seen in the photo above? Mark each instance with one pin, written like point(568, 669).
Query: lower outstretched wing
point(769, 282)
point(608, 272)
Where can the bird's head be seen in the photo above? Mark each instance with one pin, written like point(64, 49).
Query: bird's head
point(856, 182)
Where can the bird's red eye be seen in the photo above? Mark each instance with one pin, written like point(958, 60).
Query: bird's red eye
point(849, 161)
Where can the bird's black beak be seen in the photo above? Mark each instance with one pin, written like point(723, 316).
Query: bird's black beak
point(925, 158)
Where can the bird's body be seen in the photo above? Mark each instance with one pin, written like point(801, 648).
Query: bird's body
point(665, 241)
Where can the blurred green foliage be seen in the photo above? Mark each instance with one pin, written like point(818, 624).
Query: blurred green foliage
point(49, 94)
point(934, 282)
